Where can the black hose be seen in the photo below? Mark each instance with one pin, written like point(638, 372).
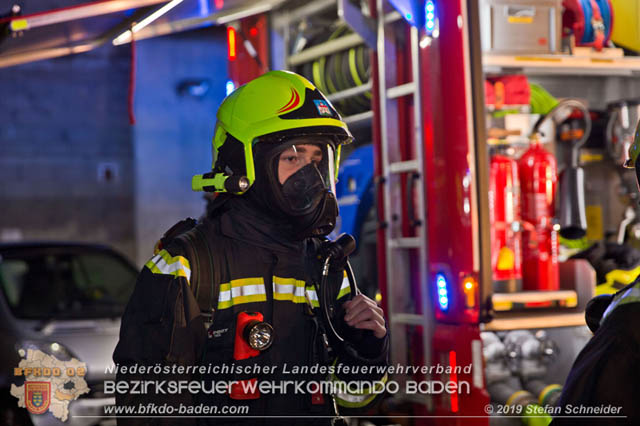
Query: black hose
point(563, 103)
point(325, 295)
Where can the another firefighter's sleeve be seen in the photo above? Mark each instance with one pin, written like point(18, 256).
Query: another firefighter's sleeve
point(161, 327)
point(370, 362)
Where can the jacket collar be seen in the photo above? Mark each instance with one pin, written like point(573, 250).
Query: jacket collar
point(240, 220)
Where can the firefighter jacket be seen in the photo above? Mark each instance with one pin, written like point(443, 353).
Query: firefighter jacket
point(267, 273)
point(606, 373)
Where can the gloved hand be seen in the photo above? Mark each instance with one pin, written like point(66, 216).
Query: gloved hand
point(364, 327)
point(363, 313)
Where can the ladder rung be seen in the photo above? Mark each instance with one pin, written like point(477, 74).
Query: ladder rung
point(413, 242)
point(411, 319)
point(353, 91)
point(392, 17)
point(404, 166)
point(326, 48)
point(358, 118)
point(402, 90)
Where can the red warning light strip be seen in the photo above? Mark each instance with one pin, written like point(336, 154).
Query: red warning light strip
point(454, 378)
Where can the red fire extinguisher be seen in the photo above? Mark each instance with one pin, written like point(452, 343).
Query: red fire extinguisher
point(504, 213)
point(538, 179)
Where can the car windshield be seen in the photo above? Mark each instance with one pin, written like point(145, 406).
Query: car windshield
point(49, 283)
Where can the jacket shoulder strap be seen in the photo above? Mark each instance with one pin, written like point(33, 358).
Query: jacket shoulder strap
point(202, 246)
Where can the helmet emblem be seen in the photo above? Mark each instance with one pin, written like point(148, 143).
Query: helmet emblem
point(293, 102)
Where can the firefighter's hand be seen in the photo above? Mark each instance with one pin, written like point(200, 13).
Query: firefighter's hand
point(363, 313)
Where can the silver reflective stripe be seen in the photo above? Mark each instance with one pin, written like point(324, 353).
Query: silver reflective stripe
point(356, 401)
point(165, 264)
point(289, 289)
point(311, 292)
point(244, 290)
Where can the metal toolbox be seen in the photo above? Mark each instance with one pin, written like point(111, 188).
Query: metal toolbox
point(521, 26)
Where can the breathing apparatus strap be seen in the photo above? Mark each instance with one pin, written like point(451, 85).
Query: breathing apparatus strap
point(195, 240)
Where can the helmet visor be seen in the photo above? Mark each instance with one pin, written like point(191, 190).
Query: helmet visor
point(296, 154)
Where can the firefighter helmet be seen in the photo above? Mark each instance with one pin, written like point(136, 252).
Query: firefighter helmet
point(269, 109)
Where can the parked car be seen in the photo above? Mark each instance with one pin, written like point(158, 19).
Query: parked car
point(65, 300)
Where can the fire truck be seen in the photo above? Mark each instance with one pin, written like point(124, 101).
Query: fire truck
point(417, 199)
point(418, 190)
point(421, 199)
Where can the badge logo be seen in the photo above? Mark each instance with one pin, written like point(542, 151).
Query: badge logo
point(37, 396)
point(323, 108)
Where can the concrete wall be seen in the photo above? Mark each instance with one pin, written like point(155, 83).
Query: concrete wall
point(173, 131)
point(61, 122)
point(71, 165)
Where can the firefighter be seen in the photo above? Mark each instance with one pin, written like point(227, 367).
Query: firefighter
point(276, 148)
point(606, 374)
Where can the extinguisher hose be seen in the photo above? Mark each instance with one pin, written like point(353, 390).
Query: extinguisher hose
point(565, 103)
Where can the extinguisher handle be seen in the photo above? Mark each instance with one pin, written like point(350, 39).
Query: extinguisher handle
point(413, 220)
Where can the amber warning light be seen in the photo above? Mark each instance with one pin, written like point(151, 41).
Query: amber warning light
point(469, 286)
point(231, 42)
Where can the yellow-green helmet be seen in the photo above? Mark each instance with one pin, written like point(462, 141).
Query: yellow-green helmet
point(278, 103)
point(634, 150)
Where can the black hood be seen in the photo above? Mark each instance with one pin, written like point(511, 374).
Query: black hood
point(241, 218)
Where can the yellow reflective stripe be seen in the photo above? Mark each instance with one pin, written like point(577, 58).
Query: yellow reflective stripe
point(344, 288)
point(353, 401)
point(165, 264)
point(243, 290)
point(289, 289)
point(366, 391)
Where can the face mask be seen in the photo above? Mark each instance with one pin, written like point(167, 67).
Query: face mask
point(313, 208)
point(304, 190)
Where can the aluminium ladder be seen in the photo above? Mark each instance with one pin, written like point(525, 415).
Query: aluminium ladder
point(406, 257)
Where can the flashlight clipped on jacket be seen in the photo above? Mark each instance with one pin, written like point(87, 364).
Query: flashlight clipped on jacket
point(253, 336)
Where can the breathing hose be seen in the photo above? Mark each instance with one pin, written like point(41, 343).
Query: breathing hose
point(339, 250)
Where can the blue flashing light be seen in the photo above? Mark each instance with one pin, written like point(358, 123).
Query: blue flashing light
point(443, 299)
point(230, 87)
point(410, 10)
point(430, 16)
